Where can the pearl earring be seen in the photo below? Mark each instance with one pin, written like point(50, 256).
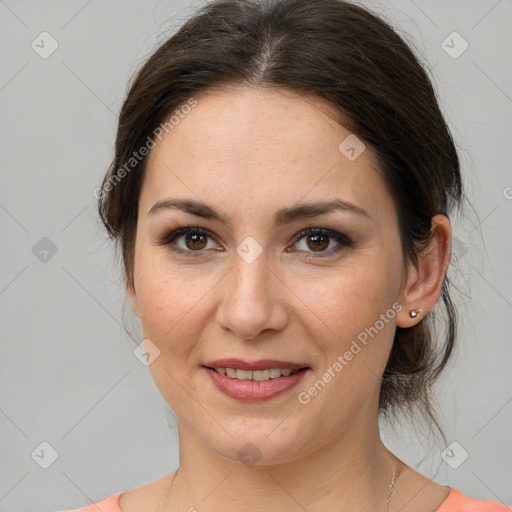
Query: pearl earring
point(414, 313)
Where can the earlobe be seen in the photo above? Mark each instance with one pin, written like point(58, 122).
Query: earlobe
point(132, 296)
point(425, 280)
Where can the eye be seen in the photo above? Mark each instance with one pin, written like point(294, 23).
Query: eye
point(194, 240)
point(319, 240)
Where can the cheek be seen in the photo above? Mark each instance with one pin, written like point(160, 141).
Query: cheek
point(170, 297)
point(352, 340)
point(352, 317)
point(347, 300)
point(172, 306)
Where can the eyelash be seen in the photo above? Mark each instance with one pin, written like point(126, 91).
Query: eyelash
point(171, 236)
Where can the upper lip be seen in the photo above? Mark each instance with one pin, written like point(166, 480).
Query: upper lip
point(260, 364)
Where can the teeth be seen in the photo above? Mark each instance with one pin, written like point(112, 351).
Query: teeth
point(259, 375)
point(243, 375)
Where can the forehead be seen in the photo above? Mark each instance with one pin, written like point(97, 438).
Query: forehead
point(244, 147)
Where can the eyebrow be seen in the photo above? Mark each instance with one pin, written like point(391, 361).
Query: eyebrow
point(282, 216)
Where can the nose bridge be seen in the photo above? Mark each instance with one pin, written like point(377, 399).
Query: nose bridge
point(250, 302)
point(250, 269)
point(250, 276)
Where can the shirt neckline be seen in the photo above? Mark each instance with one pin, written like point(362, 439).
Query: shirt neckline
point(444, 503)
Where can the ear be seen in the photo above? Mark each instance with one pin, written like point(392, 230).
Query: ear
point(130, 291)
point(424, 281)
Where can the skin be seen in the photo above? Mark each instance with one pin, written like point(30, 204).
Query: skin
point(249, 152)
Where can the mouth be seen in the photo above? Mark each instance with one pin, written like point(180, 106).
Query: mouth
point(257, 381)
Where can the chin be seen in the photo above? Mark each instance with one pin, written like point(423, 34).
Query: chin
point(259, 442)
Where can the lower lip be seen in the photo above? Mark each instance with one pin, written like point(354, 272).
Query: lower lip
point(253, 390)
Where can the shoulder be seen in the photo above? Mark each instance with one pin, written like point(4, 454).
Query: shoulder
point(456, 501)
point(146, 497)
point(110, 504)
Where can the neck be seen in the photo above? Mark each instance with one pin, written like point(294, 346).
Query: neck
point(351, 472)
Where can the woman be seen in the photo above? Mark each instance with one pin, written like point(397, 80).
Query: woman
point(281, 193)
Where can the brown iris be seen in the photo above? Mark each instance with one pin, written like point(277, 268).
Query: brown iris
point(196, 240)
point(320, 241)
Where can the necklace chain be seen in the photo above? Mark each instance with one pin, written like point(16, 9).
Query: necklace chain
point(391, 488)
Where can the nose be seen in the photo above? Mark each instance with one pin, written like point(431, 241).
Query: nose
point(253, 299)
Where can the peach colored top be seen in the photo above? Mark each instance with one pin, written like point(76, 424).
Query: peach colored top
point(454, 502)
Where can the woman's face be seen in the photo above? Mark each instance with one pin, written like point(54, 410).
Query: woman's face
point(250, 288)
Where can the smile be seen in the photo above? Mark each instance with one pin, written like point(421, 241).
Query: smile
point(254, 385)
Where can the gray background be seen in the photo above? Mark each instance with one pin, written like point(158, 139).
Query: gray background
point(68, 374)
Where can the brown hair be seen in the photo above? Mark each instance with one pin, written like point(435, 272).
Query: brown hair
point(341, 53)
